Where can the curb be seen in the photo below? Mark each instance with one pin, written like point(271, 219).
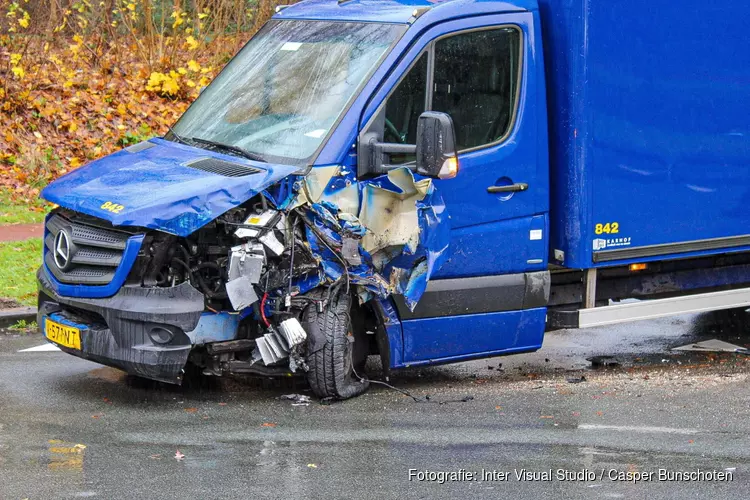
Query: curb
point(9, 317)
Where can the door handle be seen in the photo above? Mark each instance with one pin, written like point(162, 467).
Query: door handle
point(512, 188)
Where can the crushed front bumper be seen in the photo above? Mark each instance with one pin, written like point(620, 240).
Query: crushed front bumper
point(115, 331)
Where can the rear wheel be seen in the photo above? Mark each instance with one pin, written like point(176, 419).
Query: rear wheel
point(335, 364)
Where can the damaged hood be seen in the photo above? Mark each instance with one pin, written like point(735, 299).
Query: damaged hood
point(163, 185)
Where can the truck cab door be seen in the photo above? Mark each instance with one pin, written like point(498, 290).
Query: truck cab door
point(487, 73)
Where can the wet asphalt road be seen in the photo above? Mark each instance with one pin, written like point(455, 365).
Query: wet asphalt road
point(73, 429)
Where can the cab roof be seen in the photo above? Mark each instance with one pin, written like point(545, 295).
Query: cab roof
point(397, 11)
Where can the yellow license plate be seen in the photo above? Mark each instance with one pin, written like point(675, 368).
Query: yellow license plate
point(66, 336)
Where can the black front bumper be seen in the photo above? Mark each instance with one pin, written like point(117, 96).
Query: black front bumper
point(115, 330)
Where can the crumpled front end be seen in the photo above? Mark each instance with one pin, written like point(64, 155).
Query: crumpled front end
point(230, 294)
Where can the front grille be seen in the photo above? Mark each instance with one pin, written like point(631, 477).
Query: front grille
point(94, 251)
point(221, 167)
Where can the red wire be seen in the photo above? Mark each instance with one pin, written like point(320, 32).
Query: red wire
point(263, 310)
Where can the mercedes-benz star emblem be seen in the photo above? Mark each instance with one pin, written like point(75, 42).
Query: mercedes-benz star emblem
point(62, 250)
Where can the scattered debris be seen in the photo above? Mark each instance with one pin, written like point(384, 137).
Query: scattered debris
point(179, 456)
point(191, 410)
point(297, 399)
point(312, 466)
point(603, 362)
point(713, 345)
point(576, 380)
point(268, 424)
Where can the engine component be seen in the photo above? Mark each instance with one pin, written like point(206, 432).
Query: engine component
point(292, 330)
point(272, 348)
point(246, 261)
point(276, 345)
point(241, 293)
point(263, 228)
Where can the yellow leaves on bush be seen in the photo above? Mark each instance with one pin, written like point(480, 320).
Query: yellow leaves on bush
point(102, 77)
point(191, 43)
point(154, 81)
point(15, 66)
point(173, 83)
point(24, 21)
point(179, 18)
point(164, 84)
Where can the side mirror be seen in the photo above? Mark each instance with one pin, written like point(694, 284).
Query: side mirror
point(436, 146)
point(435, 149)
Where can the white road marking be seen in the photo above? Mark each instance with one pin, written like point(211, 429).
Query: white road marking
point(42, 348)
point(641, 429)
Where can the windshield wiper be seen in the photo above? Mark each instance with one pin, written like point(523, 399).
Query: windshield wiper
point(178, 136)
point(228, 147)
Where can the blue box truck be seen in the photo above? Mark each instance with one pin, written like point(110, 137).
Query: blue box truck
point(427, 180)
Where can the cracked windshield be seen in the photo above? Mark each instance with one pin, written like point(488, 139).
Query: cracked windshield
point(280, 96)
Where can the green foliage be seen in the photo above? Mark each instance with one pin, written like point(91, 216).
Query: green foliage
point(13, 212)
point(19, 261)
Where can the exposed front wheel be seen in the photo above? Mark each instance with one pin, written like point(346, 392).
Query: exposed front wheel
point(332, 358)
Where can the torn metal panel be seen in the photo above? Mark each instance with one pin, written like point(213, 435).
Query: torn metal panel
point(388, 210)
point(315, 184)
point(343, 191)
point(410, 272)
point(394, 244)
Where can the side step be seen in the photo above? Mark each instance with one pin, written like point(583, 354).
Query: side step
point(649, 309)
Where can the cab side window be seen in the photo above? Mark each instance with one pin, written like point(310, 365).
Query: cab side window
point(475, 80)
point(476, 75)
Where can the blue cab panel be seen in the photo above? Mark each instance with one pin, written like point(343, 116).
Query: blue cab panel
point(649, 128)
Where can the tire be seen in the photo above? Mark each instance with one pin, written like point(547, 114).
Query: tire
point(331, 350)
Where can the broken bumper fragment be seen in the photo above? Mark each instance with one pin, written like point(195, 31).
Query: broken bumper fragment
point(138, 330)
